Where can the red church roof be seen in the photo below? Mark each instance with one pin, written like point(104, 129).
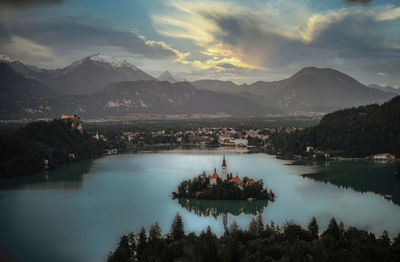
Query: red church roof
point(67, 116)
point(215, 175)
point(236, 180)
point(251, 182)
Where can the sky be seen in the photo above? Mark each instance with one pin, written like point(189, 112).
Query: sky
point(239, 40)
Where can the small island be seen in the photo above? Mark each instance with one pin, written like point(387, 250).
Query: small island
point(224, 187)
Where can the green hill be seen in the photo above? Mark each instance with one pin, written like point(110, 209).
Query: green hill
point(354, 132)
point(25, 151)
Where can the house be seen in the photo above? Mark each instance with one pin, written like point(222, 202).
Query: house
point(309, 149)
point(214, 178)
point(384, 156)
point(241, 142)
point(237, 181)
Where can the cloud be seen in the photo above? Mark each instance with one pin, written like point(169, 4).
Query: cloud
point(264, 38)
point(363, 2)
point(29, 3)
point(65, 35)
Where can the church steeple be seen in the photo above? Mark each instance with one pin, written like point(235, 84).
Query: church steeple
point(224, 171)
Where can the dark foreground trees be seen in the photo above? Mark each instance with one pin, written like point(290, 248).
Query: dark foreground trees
point(258, 243)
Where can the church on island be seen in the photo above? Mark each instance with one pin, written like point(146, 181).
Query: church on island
point(225, 176)
point(223, 186)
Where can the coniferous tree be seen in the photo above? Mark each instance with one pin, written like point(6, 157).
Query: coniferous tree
point(259, 224)
point(333, 229)
point(253, 228)
point(313, 228)
point(384, 238)
point(142, 244)
point(177, 229)
point(155, 233)
point(123, 252)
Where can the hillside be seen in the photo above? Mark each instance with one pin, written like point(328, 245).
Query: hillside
point(166, 98)
point(25, 151)
point(21, 97)
point(218, 86)
point(353, 132)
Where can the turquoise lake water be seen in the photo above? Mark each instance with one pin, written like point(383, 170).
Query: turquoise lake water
point(78, 213)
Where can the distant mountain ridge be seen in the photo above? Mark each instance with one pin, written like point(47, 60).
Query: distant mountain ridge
point(35, 92)
point(310, 89)
point(121, 99)
point(386, 89)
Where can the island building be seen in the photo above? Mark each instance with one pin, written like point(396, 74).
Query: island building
point(214, 178)
point(224, 170)
point(225, 176)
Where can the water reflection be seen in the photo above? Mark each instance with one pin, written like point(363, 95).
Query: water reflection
point(68, 177)
point(362, 176)
point(216, 208)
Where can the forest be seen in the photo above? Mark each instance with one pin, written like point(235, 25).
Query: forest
point(259, 242)
point(24, 151)
point(355, 132)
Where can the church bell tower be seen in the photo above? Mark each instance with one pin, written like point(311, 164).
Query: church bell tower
point(224, 171)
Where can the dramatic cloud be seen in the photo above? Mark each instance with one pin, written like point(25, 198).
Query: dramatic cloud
point(64, 35)
point(235, 38)
point(28, 3)
point(363, 2)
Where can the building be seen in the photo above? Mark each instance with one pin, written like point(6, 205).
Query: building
point(97, 136)
point(65, 116)
point(214, 178)
point(237, 181)
point(384, 156)
point(76, 122)
point(250, 182)
point(252, 133)
point(241, 142)
point(309, 149)
point(224, 170)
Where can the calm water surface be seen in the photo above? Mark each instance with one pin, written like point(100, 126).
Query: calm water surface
point(78, 213)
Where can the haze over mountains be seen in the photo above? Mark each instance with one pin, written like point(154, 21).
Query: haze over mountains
point(99, 86)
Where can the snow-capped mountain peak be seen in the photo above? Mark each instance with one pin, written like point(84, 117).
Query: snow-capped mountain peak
point(115, 62)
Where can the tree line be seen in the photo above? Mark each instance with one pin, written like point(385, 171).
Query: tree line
point(259, 242)
point(353, 132)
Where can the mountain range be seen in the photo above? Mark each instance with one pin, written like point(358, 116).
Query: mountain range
point(99, 86)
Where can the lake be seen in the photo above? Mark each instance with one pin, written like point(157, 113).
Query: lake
point(78, 213)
